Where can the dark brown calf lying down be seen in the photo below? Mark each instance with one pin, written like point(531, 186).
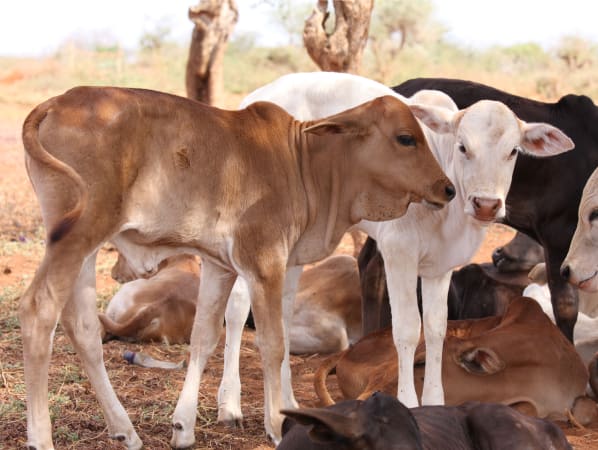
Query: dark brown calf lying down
point(519, 359)
point(381, 422)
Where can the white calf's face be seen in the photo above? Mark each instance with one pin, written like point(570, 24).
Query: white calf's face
point(581, 264)
point(485, 149)
point(485, 140)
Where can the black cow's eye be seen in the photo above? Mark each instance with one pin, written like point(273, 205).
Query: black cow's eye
point(462, 149)
point(406, 140)
point(593, 215)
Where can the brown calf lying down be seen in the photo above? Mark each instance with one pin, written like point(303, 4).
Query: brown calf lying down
point(160, 308)
point(520, 359)
point(381, 422)
point(326, 317)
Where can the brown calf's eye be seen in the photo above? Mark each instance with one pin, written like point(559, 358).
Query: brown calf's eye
point(593, 215)
point(462, 149)
point(406, 140)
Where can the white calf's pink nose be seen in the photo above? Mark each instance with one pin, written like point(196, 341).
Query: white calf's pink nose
point(486, 208)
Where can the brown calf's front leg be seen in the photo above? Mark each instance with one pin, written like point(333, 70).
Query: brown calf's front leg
point(214, 289)
point(266, 305)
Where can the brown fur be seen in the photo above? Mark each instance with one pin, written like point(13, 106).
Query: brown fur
point(161, 308)
point(261, 192)
point(519, 359)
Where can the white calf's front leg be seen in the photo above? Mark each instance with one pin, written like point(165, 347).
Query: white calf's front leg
point(291, 284)
point(229, 393)
point(435, 312)
point(401, 276)
point(214, 289)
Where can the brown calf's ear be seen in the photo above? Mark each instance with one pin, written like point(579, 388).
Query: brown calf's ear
point(480, 361)
point(436, 118)
point(323, 128)
point(327, 425)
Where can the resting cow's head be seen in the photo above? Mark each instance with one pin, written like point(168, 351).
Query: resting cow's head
point(392, 164)
point(486, 138)
point(580, 267)
point(380, 422)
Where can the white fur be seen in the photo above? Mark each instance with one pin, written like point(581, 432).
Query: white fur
point(425, 242)
point(585, 333)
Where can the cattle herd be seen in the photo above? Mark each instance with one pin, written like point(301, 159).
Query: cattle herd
point(429, 352)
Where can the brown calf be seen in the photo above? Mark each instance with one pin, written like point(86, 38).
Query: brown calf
point(252, 192)
point(520, 359)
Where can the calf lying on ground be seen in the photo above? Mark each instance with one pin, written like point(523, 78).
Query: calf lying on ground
point(479, 290)
point(160, 308)
point(381, 422)
point(520, 359)
point(326, 314)
point(253, 192)
point(521, 253)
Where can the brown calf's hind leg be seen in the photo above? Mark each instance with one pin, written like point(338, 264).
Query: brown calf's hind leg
point(39, 310)
point(81, 324)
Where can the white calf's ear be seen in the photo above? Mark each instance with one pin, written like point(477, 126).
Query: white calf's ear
point(541, 139)
point(437, 119)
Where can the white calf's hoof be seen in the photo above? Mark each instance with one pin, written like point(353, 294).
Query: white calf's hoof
point(230, 418)
point(132, 441)
point(182, 436)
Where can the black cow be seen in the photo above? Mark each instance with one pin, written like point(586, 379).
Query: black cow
point(383, 423)
point(545, 193)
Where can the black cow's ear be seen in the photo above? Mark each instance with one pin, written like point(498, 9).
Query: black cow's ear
point(480, 361)
point(326, 426)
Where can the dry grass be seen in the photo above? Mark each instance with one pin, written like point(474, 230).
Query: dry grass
point(148, 395)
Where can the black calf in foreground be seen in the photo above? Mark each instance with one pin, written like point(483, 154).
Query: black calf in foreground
point(383, 423)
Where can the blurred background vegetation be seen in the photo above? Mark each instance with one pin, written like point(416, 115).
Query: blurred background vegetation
point(404, 42)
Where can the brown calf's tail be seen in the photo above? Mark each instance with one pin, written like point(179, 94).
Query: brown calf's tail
point(327, 367)
point(36, 150)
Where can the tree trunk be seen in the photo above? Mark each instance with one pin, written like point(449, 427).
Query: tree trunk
point(341, 50)
point(214, 21)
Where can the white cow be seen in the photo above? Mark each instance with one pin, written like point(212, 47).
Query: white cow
point(585, 333)
point(477, 148)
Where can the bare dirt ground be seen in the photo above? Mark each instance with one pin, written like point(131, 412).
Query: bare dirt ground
point(148, 395)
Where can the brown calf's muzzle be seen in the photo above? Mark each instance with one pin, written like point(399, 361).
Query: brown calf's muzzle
point(442, 192)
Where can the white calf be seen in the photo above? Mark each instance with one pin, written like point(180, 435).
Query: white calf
point(477, 148)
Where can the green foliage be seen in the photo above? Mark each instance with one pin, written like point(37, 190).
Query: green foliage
point(577, 52)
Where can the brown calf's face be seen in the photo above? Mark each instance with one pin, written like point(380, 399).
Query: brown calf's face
point(391, 157)
point(581, 264)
